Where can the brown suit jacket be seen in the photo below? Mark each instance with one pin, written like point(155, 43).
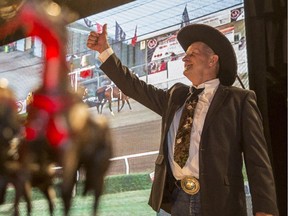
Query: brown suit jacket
point(232, 129)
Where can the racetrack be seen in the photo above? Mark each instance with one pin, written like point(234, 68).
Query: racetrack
point(133, 131)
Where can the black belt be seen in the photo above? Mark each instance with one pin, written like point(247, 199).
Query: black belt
point(189, 185)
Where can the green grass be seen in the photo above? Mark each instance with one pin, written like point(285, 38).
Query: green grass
point(124, 195)
point(130, 203)
point(126, 204)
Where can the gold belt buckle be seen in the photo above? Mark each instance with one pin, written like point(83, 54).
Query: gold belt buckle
point(190, 185)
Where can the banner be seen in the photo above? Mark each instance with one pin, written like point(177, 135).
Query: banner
point(162, 49)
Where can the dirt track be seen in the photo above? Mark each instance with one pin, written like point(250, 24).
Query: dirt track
point(133, 131)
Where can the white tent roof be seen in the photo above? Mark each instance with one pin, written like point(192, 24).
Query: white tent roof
point(153, 15)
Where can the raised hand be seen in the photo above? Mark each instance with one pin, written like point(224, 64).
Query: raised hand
point(98, 41)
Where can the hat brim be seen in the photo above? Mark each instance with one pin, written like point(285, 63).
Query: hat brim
point(218, 43)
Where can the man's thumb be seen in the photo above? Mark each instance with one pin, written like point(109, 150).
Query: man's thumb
point(104, 29)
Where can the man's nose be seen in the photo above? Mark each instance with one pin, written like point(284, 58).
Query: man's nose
point(185, 58)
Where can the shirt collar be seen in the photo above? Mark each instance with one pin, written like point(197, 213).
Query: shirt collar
point(208, 86)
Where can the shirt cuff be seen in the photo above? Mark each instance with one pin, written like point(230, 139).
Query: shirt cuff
point(105, 55)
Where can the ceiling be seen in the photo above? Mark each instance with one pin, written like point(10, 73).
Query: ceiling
point(148, 15)
point(155, 15)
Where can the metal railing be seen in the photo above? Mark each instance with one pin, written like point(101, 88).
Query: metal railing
point(126, 157)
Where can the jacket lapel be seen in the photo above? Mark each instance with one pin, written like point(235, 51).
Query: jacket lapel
point(215, 105)
point(175, 102)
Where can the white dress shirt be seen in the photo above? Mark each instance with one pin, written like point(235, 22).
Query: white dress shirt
point(105, 54)
point(191, 167)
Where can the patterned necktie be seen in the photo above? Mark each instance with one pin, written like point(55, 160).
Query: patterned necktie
point(182, 140)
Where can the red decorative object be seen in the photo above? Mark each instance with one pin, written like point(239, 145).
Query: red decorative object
point(86, 73)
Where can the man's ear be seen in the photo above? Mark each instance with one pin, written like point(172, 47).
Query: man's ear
point(214, 59)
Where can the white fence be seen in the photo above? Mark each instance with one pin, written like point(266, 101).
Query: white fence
point(126, 157)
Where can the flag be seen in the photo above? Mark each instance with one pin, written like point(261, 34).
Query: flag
point(120, 35)
point(99, 28)
point(185, 18)
point(134, 39)
point(88, 22)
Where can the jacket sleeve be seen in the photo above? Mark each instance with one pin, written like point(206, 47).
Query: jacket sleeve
point(258, 166)
point(148, 95)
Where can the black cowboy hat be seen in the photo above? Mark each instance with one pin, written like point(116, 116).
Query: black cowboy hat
point(218, 43)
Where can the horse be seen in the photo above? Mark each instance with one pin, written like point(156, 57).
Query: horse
point(108, 93)
point(90, 101)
